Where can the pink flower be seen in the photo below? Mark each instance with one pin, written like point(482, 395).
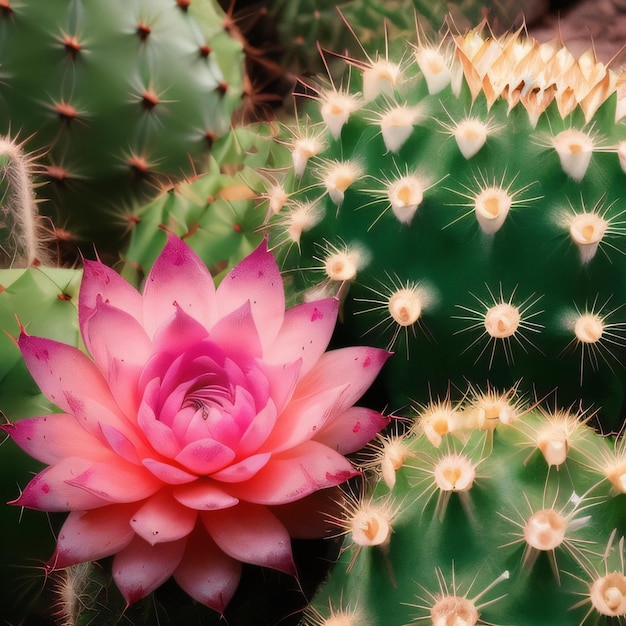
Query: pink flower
point(196, 436)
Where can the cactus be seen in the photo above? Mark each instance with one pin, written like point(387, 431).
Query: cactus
point(464, 198)
point(213, 211)
point(43, 300)
point(302, 25)
point(485, 511)
point(120, 95)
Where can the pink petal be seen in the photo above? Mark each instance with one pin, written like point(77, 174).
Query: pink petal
point(117, 482)
point(51, 489)
point(168, 473)
point(356, 367)
point(283, 379)
point(102, 282)
point(120, 347)
point(140, 568)
point(311, 517)
point(205, 456)
point(162, 518)
point(73, 382)
point(90, 535)
point(295, 474)
point(51, 438)
point(244, 470)
point(159, 434)
point(178, 333)
point(258, 280)
point(237, 333)
point(351, 429)
point(258, 431)
point(206, 573)
point(303, 418)
point(178, 278)
point(204, 495)
point(251, 534)
point(305, 333)
point(122, 445)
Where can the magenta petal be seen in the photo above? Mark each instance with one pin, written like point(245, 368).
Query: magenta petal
point(305, 333)
point(90, 535)
point(251, 534)
point(352, 429)
point(159, 434)
point(140, 568)
point(51, 438)
point(73, 382)
point(206, 573)
point(238, 331)
point(51, 490)
point(258, 280)
point(120, 347)
point(168, 473)
point(205, 456)
point(117, 482)
point(162, 518)
point(204, 496)
point(100, 282)
point(178, 333)
point(355, 367)
point(295, 474)
point(178, 278)
point(243, 470)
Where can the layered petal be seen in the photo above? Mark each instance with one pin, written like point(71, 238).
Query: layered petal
point(162, 518)
point(140, 567)
point(178, 278)
point(251, 534)
point(256, 279)
point(52, 438)
point(207, 573)
point(294, 474)
point(92, 535)
point(204, 495)
point(351, 429)
point(304, 334)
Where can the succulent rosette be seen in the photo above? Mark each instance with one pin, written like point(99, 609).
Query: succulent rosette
point(198, 432)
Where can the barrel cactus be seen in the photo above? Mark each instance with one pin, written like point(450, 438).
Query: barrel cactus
point(119, 95)
point(511, 514)
point(464, 198)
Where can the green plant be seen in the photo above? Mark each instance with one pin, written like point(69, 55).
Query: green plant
point(464, 198)
point(119, 95)
point(485, 511)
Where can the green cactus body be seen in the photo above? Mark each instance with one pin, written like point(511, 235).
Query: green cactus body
point(466, 203)
point(44, 301)
point(214, 211)
point(120, 95)
point(516, 522)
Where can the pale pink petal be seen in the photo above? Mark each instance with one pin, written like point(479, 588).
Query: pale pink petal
point(312, 517)
point(295, 474)
point(122, 445)
point(205, 456)
point(283, 379)
point(255, 279)
point(206, 573)
point(140, 568)
point(90, 535)
point(356, 367)
point(102, 282)
point(73, 382)
point(178, 333)
point(243, 470)
point(168, 473)
point(178, 278)
point(305, 333)
point(303, 418)
point(162, 518)
point(351, 429)
point(204, 495)
point(50, 490)
point(237, 333)
point(117, 482)
point(251, 534)
point(258, 431)
point(120, 347)
point(51, 438)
